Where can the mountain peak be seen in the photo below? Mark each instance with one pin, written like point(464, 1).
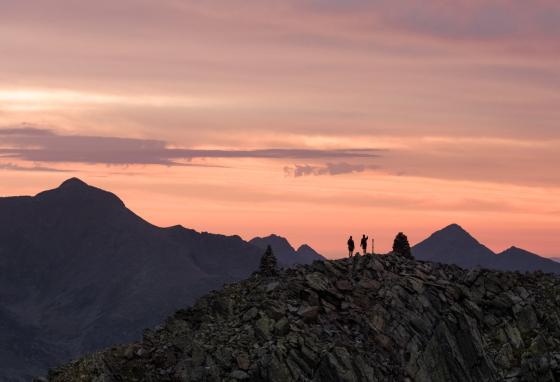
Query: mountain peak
point(74, 183)
point(515, 250)
point(274, 236)
point(455, 232)
point(308, 254)
point(453, 245)
point(76, 191)
point(454, 228)
point(278, 243)
point(286, 253)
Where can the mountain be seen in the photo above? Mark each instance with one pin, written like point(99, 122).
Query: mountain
point(557, 259)
point(285, 253)
point(79, 272)
point(514, 259)
point(369, 318)
point(307, 254)
point(454, 245)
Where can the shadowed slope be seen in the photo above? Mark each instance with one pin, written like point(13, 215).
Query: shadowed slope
point(79, 271)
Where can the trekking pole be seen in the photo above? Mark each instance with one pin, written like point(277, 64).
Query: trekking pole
point(373, 246)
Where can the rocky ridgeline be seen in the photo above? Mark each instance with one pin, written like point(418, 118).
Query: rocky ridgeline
point(370, 318)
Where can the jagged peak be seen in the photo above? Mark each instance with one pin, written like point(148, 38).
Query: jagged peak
point(272, 239)
point(273, 236)
point(284, 250)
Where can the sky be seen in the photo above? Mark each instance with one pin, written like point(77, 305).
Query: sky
point(310, 119)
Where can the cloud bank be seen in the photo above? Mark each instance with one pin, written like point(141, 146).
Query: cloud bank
point(43, 145)
point(16, 167)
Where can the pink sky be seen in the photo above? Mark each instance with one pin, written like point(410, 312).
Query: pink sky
point(310, 119)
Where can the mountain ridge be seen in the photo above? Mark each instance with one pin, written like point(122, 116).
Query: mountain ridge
point(368, 318)
point(287, 255)
point(80, 271)
point(454, 245)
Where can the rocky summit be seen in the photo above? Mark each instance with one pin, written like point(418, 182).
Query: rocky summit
point(368, 318)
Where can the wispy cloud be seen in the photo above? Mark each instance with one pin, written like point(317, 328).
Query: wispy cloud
point(15, 167)
point(38, 145)
point(24, 130)
point(463, 19)
point(328, 169)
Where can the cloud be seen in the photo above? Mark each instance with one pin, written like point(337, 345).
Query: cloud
point(470, 18)
point(24, 130)
point(463, 19)
point(15, 167)
point(38, 145)
point(328, 169)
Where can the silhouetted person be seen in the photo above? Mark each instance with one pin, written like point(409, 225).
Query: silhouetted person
point(350, 247)
point(363, 243)
point(401, 246)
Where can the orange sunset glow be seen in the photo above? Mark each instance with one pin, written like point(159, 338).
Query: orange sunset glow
point(309, 119)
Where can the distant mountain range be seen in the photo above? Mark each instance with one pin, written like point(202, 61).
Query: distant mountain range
point(79, 271)
point(454, 245)
point(285, 253)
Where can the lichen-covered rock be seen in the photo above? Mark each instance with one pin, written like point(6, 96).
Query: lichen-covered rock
point(373, 318)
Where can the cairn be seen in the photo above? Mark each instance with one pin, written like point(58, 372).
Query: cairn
point(402, 247)
point(269, 263)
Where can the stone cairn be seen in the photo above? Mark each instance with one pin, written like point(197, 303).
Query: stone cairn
point(401, 246)
point(269, 263)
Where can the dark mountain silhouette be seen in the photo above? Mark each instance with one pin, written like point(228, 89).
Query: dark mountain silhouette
point(308, 254)
point(514, 259)
point(454, 245)
point(79, 271)
point(557, 259)
point(286, 254)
